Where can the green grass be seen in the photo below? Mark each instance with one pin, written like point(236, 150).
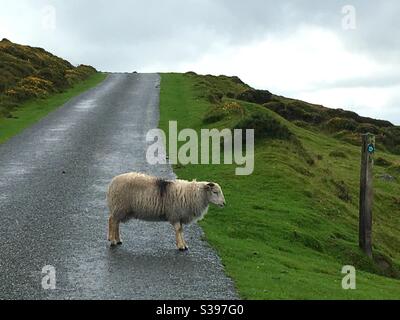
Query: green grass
point(34, 110)
point(286, 232)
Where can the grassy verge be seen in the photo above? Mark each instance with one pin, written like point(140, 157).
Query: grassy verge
point(291, 226)
point(34, 110)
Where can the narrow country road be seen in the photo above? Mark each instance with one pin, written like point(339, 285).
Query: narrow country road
point(53, 180)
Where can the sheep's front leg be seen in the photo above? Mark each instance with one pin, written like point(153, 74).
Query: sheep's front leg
point(110, 230)
point(183, 239)
point(180, 242)
point(117, 234)
point(113, 231)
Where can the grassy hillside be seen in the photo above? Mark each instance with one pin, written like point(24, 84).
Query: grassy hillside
point(32, 111)
point(341, 124)
point(289, 227)
point(34, 82)
point(28, 73)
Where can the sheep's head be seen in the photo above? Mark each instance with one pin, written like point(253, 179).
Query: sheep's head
point(215, 194)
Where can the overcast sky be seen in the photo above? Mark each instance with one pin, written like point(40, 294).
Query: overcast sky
point(320, 51)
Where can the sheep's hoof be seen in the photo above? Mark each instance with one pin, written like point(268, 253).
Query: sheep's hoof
point(183, 249)
point(113, 244)
point(119, 243)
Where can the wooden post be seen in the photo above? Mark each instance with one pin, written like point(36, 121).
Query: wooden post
point(366, 193)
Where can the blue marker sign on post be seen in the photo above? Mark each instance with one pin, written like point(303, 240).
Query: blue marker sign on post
point(371, 148)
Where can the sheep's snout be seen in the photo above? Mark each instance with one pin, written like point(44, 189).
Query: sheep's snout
point(221, 205)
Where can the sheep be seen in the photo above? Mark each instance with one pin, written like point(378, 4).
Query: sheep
point(179, 202)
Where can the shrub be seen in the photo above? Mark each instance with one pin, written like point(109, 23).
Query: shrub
point(368, 128)
point(296, 110)
point(237, 80)
point(219, 112)
point(56, 76)
point(191, 73)
point(36, 82)
point(255, 96)
point(264, 126)
point(30, 87)
point(391, 139)
point(80, 73)
point(348, 136)
point(339, 124)
point(214, 88)
point(232, 107)
point(275, 106)
point(214, 98)
point(214, 115)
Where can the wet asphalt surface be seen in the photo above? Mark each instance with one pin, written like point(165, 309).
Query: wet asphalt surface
point(53, 182)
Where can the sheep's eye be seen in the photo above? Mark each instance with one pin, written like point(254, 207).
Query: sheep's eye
point(216, 192)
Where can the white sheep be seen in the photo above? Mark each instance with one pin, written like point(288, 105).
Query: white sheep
point(138, 196)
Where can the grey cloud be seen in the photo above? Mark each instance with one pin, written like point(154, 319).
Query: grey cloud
point(173, 30)
point(380, 80)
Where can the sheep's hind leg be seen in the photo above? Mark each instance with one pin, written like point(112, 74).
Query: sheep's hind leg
point(180, 242)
